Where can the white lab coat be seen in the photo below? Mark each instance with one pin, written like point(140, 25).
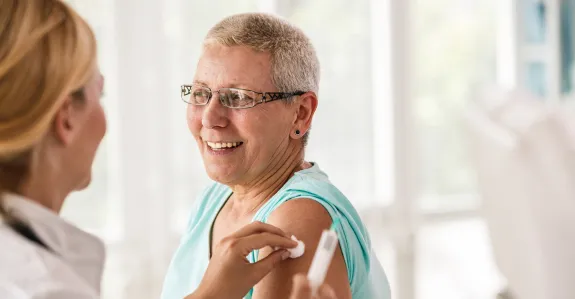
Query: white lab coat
point(70, 269)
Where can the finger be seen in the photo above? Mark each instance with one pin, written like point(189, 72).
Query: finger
point(326, 292)
point(301, 288)
point(259, 227)
point(264, 266)
point(261, 240)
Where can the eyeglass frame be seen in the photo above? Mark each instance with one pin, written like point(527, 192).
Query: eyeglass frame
point(273, 96)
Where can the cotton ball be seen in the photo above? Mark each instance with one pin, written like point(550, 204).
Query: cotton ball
point(298, 250)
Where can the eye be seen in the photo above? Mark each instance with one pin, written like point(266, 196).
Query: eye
point(200, 95)
point(241, 99)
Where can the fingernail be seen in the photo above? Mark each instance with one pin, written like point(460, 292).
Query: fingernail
point(285, 255)
point(295, 240)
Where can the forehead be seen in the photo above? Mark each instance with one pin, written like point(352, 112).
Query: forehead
point(237, 66)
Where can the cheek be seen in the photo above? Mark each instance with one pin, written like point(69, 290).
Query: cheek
point(260, 127)
point(99, 121)
point(92, 133)
point(194, 119)
point(273, 121)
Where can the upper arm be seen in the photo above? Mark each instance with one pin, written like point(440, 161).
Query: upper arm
point(306, 219)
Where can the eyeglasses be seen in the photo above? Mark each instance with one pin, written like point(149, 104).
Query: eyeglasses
point(234, 98)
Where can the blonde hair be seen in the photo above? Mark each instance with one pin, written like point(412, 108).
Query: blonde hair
point(294, 63)
point(47, 53)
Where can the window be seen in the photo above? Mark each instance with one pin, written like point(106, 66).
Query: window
point(454, 55)
point(545, 47)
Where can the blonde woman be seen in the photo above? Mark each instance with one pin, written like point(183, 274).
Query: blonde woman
point(51, 124)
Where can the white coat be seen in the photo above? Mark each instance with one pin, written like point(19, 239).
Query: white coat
point(71, 267)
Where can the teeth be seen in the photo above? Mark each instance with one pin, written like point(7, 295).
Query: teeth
point(218, 145)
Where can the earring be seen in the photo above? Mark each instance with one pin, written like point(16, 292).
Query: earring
point(297, 132)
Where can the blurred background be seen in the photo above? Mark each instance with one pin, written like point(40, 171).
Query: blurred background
point(402, 128)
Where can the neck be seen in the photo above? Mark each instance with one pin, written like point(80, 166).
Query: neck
point(250, 196)
point(45, 194)
point(45, 186)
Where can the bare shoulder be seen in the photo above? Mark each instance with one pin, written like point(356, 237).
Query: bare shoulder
point(301, 215)
point(306, 219)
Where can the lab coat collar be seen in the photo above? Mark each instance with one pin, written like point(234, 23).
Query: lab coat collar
point(82, 251)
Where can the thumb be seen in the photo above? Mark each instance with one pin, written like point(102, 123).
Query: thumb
point(266, 265)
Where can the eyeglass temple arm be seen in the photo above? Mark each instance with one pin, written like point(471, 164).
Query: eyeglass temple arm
point(273, 96)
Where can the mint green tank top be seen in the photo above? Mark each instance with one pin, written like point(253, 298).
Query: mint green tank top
point(366, 276)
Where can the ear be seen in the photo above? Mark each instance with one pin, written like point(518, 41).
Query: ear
point(66, 122)
point(305, 109)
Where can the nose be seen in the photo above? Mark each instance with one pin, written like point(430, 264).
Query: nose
point(215, 114)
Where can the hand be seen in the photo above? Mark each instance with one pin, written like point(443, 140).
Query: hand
point(302, 289)
point(230, 274)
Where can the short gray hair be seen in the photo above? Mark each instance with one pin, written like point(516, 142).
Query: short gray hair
point(294, 63)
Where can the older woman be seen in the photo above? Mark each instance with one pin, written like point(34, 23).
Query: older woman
point(251, 106)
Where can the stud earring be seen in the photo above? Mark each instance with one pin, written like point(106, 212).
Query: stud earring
point(297, 132)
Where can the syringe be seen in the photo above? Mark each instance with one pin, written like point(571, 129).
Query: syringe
point(323, 255)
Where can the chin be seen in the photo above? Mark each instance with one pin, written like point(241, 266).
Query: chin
point(218, 177)
point(222, 176)
point(84, 183)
